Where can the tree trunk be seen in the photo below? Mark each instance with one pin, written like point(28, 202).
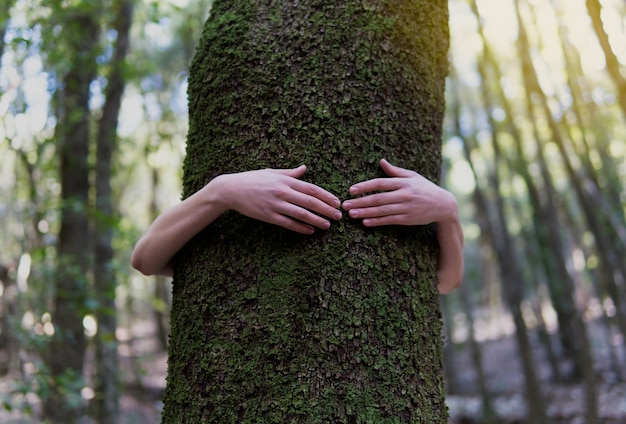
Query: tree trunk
point(613, 67)
point(66, 349)
point(594, 134)
point(487, 235)
point(546, 225)
point(343, 326)
point(8, 315)
point(511, 274)
point(513, 285)
point(580, 345)
point(161, 302)
point(105, 282)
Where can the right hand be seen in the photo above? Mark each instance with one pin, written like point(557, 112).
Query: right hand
point(277, 196)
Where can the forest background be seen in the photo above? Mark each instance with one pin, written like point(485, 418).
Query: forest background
point(92, 135)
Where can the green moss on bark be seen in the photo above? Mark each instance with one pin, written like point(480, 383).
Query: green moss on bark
point(342, 326)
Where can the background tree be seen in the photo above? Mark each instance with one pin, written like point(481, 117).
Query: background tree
point(342, 326)
point(65, 356)
point(105, 278)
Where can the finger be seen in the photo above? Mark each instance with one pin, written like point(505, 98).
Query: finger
point(371, 200)
point(311, 203)
point(376, 184)
point(315, 192)
point(378, 211)
point(304, 216)
point(395, 171)
point(292, 224)
point(400, 219)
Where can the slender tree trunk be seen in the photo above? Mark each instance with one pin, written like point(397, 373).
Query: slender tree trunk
point(105, 282)
point(8, 314)
point(580, 346)
point(161, 292)
point(594, 136)
point(550, 254)
point(613, 67)
point(513, 285)
point(488, 413)
point(66, 350)
point(511, 274)
point(342, 326)
point(482, 219)
point(559, 282)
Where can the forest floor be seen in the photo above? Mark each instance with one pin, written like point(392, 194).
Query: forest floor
point(144, 373)
point(505, 381)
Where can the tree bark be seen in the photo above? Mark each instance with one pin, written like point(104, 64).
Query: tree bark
point(343, 326)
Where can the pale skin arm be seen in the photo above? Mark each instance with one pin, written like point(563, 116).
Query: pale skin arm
point(278, 197)
point(410, 199)
point(269, 195)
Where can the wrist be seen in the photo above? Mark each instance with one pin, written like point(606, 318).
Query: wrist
point(217, 195)
point(449, 209)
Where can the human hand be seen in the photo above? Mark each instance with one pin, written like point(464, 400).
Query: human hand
point(405, 199)
point(277, 196)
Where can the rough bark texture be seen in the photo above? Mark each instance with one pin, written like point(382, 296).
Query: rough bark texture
point(342, 326)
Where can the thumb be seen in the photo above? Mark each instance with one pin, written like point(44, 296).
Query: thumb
point(395, 171)
point(293, 172)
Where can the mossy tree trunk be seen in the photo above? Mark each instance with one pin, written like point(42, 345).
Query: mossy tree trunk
point(270, 326)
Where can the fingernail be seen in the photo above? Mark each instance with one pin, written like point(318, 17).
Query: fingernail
point(354, 213)
point(337, 215)
point(354, 190)
point(347, 205)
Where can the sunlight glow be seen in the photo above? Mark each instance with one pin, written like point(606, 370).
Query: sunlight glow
point(131, 113)
point(462, 177)
point(23, 272)
point(28, 320)
point(471, 231)
point(90, 325)
point(87, 393)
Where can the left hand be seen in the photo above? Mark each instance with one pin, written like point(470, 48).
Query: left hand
point(406, 198)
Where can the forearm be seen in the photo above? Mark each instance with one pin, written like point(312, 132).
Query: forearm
point(450, 266)
point(172, 230)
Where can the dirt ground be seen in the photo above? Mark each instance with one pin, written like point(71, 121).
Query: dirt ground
point(506, 384)
point(144, 373)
